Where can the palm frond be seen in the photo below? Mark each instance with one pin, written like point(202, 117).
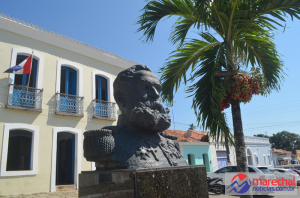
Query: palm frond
point(154, 11)
point(261, 51)
point(180, 61)
point(180, 29)
point(206, 93)
point(203, 58)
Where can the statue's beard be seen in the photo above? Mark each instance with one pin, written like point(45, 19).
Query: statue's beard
point(150, 117)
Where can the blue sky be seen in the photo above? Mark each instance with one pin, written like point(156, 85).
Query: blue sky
point(111, 26)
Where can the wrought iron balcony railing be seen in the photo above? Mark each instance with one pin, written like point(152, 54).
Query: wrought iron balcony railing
point(24, 98)
point(104, 110)
point(69, 105)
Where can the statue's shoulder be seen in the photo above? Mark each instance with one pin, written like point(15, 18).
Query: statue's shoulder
point(171, 137)
point(105, 131)
point(100, 143)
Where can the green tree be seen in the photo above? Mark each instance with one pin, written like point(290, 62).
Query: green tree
point(262, 135)
point(285, 140)
point(227, 29)
point(192, 127)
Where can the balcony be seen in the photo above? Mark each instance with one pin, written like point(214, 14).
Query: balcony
point(104, 110)
point(24, 98)
point(69, 105)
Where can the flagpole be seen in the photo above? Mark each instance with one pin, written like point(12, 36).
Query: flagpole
point(29, 75)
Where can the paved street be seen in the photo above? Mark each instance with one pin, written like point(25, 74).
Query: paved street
point(71, 194)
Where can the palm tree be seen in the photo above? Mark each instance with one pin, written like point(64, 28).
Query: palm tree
point(227, 29)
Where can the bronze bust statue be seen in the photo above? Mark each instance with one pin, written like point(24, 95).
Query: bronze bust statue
point(138, 140)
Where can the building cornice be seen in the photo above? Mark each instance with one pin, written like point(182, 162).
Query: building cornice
point(37, 33)
point(257, 143)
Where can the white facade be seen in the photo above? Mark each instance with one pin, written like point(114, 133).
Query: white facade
point(214, 148)
point(258, 151)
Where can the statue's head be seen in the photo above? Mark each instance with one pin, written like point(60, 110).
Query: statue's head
point(137, 93)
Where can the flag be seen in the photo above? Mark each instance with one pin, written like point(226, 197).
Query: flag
point(22, 68)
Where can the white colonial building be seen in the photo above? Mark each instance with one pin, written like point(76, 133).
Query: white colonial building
point(43, 115)
point(258, 151)
point(219, 155)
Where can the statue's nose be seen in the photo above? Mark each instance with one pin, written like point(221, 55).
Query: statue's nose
point(154, 94)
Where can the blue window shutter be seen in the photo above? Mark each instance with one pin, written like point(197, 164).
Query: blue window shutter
point(67, 82)
point(70, 81)
point(106, 96)
point(73, 82)
point(24, 80)
point(101, 94)
point(34, 74)
point(73, 157)
point(99, 88)
point(101, 81)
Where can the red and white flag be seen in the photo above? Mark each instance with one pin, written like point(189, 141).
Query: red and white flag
point(23, 68)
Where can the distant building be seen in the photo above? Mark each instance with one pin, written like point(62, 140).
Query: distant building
point(43, 117)
point(258, 151)
point(298, 155)
point(283, 157)
point(219, 154)
point(294, 159)
point(195, 147)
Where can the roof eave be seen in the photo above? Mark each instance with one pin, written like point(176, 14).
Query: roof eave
point(36, 33)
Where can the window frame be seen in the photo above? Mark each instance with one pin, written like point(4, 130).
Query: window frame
point(40, 65)
point(69, 79)
point(252, 170)
point(256, 159)
point(34, 149)
point(109, 84)
point(99, 85)
point(228, 169)
point(251, 155)
point(79, 86)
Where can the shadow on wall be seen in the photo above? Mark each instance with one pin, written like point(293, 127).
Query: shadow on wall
point(89, 111)
point(95, 124)
point(9, 116)
point(58, 120)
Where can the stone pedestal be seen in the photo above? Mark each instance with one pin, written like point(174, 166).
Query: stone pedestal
point(184, 181)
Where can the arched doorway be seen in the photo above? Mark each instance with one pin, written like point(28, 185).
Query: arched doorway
point(65, 158)
point(249, 156)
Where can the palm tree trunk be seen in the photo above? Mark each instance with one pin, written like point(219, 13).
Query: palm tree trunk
point(240, 149)
point(227, 151)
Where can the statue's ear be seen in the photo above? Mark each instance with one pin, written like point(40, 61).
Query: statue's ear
point(121, 100)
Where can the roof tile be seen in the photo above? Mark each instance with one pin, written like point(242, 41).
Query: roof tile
point(196, 136)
